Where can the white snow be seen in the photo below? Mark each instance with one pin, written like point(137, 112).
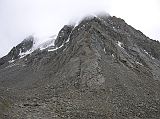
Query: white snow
point(139, 63)
point(53, 49)
point(120, 44)
point(11, 61)
point(104, 50)
point(23, 54)
point(146, 52)
point(68, 39)
point(69, 35)
point(39, 43)
point(44, 42)
point(152, 57)
point(114, 28)
point(50, 50)
point(149, 54)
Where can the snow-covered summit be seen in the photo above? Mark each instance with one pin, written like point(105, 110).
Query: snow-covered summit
point(39, 44)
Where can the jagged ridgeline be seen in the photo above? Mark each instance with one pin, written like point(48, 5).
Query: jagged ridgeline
point(101, 68)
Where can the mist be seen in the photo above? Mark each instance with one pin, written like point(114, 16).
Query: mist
point(44, 18)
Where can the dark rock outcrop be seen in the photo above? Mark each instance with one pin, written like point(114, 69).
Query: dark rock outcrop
point(63, 35)
point(23, 47)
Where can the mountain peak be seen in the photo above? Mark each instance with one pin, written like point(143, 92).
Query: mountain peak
point(28, 39)
point(18, 50)
point(63, 35)
point(101, 68)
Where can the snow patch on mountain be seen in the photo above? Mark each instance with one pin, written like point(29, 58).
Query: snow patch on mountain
point(54, 48)
point(44, 42)
point(11, 61)
point(149, 54)
point(23, 54)
point(40, 44)
point(120, 44)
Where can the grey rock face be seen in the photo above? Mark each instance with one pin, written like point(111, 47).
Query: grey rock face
point(24, 46)
point(107, 70)
point(63, 35)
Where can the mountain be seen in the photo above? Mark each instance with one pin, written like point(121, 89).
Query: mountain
point(102, 68)
point(15, 52)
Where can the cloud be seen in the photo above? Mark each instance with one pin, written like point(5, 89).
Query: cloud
point(141, 14)
point(20, 18)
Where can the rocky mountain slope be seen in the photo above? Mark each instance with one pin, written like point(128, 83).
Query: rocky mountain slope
point(102, 68)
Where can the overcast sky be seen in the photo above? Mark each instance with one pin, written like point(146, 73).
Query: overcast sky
point(20, 18)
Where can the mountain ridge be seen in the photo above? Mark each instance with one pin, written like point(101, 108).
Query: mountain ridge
point(101, 68)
